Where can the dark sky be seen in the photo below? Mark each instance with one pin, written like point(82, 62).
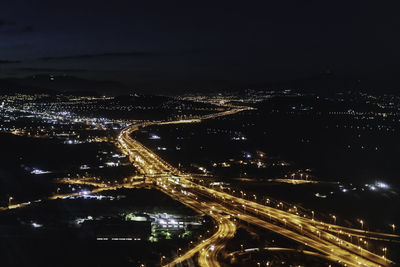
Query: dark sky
point(198, 43)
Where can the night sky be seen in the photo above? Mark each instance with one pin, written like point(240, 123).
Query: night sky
point(198, 43)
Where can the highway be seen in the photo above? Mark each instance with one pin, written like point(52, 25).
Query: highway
point(326, 244)
point(209, 255)
point(181, 186)
point(305, 252)
point(209, 248)
point(100, 187)
point(305, 228)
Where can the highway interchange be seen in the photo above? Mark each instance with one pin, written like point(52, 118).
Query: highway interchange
point(225, 208)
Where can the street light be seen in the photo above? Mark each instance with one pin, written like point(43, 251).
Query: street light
point(334, 219)
point(362, 224)
point(351, 238)
point(161, 260)
point(9, 201)
point(393, 227)
point(384, 251)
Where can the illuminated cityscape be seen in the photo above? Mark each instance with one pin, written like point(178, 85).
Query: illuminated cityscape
point(212, 201)
point(182, 134)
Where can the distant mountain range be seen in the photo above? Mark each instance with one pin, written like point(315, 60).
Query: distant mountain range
point(323, 83)
point(328, 83)
point(52, 84)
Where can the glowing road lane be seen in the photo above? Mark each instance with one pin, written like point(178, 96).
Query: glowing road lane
point(209, 256)
point(100, 188)
point(209, 248)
